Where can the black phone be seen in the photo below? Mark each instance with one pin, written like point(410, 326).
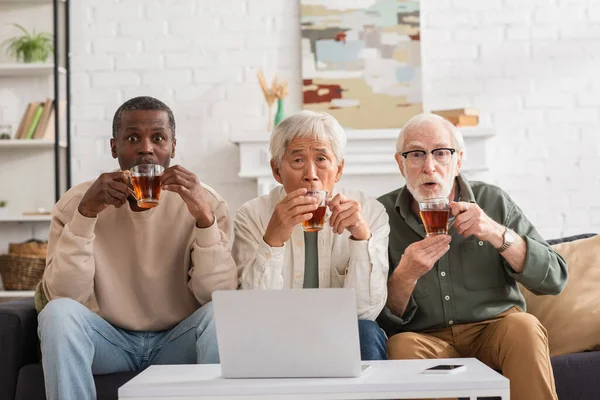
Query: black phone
point(445, 369)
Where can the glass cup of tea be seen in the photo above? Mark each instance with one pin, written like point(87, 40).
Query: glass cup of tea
point(435, 214)
point(315, 224)
point(145, 179)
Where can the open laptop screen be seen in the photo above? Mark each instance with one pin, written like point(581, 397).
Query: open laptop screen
point(287, 333)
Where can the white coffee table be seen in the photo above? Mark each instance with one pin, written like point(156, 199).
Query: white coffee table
point(383, 380)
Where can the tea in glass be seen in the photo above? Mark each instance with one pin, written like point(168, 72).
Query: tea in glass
point(146, 184)
point(435, 214)
point(315, 223)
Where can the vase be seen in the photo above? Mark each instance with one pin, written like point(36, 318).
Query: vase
point(279, 115)
point(270, 118)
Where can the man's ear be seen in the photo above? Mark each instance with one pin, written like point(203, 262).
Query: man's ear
point(276, 172)
point(459, 162)
point(398, 158)
point(338, 174)
point(113, 148)
point(174, 142)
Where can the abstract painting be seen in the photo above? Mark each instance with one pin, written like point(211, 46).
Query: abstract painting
point(361, 61)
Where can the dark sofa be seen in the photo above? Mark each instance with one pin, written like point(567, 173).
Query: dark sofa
point(21, 376)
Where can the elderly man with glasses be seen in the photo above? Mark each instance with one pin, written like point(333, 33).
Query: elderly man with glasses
point(456, 294)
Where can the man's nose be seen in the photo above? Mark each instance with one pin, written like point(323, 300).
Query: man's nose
point(429, 164)
point(310, 172)
point(146, 147)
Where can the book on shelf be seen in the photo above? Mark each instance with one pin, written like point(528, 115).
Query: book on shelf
point(463, 120)
point(49, 131)
point(469, 111)
point(41, 128)
point(36, 213)
point(18, 133)
point(26, 120)
point(37, 121)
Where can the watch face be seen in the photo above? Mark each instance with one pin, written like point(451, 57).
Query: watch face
point(509, 236)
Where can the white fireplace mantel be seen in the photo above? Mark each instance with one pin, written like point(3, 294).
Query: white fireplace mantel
point(370, 165)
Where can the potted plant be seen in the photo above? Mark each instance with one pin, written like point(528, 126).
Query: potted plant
point(29, 47)
point(3, 209)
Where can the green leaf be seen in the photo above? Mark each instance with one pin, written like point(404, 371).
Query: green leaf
point(29, 47)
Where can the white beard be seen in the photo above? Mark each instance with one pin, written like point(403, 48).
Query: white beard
point(444, 190)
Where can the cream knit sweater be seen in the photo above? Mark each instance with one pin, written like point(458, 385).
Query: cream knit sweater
point(146, 270)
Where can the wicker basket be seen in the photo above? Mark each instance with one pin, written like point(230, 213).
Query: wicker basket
point(30, 248)
point(21, 272)
point(23, 267)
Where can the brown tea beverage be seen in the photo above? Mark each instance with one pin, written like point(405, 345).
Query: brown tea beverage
point(435, 221)
point(317, 220)
point(315, 224)
point(435, 214)
point(147, 190)
point(145, 179)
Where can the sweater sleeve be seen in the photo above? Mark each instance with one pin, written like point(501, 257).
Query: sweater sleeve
point(213, 267)
point(70, 265)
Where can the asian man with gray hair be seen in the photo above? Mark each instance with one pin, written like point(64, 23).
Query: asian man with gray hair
point(271, 249)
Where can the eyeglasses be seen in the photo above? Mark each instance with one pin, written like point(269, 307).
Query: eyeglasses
point(416, 158)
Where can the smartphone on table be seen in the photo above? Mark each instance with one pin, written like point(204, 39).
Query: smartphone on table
point(446, 369)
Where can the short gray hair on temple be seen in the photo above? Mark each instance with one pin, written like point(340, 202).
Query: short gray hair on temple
point(420, 120)
point(307, 124)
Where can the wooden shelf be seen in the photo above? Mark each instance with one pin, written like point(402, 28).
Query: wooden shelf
point(368, 134)
point(20, 69)
point(17, 293)
point(29, 143)
point(27, 1)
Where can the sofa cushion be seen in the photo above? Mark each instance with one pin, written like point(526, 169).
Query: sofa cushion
point(18, 342)
point(576, 375)
point(573, 317)
point(570, 238)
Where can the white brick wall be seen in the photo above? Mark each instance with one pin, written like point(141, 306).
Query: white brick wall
point(531, 66)
point(540, 93)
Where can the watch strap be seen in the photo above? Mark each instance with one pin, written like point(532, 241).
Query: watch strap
point(506, 244)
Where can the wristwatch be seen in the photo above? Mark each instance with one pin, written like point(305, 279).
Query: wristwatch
point(509, 238)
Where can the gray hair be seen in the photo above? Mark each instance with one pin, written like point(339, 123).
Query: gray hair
point(420, 120)
point(308, 125)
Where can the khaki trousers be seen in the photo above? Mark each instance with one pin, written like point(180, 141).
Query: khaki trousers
point(514, 342)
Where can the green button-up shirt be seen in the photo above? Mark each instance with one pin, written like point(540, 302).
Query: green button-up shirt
point(472, 282)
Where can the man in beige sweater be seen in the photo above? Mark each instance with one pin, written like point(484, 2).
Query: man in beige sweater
point(151, 272)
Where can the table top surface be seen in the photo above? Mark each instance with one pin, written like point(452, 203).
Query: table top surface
point(381, 376)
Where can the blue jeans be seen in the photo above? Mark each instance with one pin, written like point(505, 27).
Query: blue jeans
point(372, 341)
point(77, 343)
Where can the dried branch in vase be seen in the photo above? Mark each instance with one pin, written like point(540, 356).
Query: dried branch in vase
point(277, 91)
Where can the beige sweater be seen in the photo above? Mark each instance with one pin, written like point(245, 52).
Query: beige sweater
point(146, 270)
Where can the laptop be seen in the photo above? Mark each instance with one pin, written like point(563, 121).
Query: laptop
point(289, 333)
